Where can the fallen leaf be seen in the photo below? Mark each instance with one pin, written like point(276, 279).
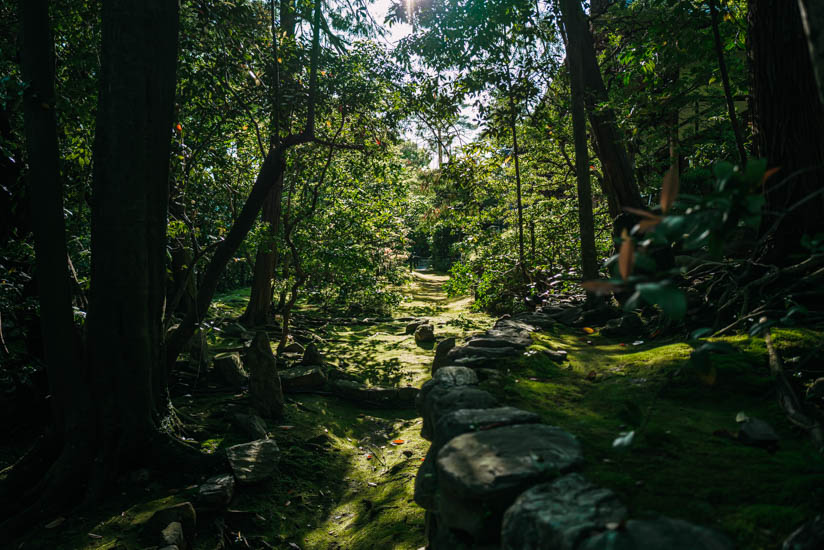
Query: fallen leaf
point(588, 330)
point(622, 344)
point(285, 427)
point(178, 127)
point(371, 484)
point(95, 536)
point(740, 417)
point(398, 442)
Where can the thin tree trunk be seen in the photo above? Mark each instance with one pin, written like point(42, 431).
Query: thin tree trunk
point(725, 80)
point(589, 262)
point(618, 174)
point(521, 256)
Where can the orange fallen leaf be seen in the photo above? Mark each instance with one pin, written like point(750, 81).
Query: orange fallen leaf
point(178, 127)
point(398, 442)
point(588, 330)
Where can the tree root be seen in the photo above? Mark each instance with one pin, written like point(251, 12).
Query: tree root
point(788, 400)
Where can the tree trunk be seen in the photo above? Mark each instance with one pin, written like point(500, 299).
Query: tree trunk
point(788, 126)
point(258, 311)
point(618, 176)
point(812, 15)
point(589, 261)
point(46, 194)
point(725, 80)
point(112, 421)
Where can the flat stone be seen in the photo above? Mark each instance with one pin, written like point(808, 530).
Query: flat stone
point(566, 315)
point(511, 324)
point(486, 352)
point(659, 534)
point(441, 351)
point(461, 421)
point(559, 515)
point(413, 325)
point(302, 378)
point(809, 536)
point(216, 492)
point(255, 461)
point(535, 319)
point(251, 425)
point(480, 474)
point(425, 334)
point(442, 400)
point(499, 342)
point(556, 355)
point(230, 369)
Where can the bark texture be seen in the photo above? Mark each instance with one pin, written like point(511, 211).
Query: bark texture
point(788, 125)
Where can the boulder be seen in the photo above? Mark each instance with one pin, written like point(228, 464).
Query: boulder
point(426, 482)
point(229, 368)
point(251, 425)
point(809, 536)
point(461, 421)
point(265, 390)
point(216, 492)
point(565, 315)
point(253, 462)
point(480, 474)
point(628, 326)
point(424, 334)
point(413, 325)
point(311, 355)
point(446, 377)
point(173, 536)
point(441, 350)
point(755, 431)
point(183, 514)
point(559, 515)
point(442, 400)
point(658, 534)
point(302, 378)
point(294, 347)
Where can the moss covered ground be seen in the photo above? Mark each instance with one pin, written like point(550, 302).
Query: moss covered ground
point(343, 483)
point(683, 461)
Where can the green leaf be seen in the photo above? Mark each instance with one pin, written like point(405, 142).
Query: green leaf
point(671, 300)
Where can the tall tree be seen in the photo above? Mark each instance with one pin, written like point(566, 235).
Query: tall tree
point(619, 179)
point(788, 125)
point(111, 413)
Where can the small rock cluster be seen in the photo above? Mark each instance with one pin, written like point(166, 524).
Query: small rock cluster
point(495, 477)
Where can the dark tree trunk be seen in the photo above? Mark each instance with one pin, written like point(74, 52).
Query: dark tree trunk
point(46, 194)
point(618, 177)
point(788, 126)
point(812, 15)
point(111, 408)
point(589, 261)
point(259, 309)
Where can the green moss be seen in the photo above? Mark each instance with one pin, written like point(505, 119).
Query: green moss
point(678, 465)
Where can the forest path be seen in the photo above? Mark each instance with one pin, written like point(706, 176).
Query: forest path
point(348, 470)
point(383, 354)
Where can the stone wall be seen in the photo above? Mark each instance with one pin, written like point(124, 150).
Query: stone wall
point(495, 477)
